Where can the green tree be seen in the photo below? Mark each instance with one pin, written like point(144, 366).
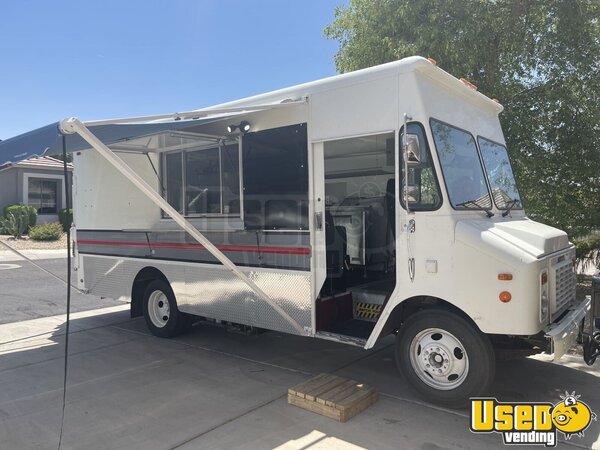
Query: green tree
point(61, 158)
point(541, 58)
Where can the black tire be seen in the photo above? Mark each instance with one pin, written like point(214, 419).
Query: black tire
point(480, 361)
point(175, 322)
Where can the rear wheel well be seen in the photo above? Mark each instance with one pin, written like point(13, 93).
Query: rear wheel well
point(414, 304)
point(141, 281)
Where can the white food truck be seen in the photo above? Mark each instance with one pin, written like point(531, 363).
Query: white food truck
point(310, 211)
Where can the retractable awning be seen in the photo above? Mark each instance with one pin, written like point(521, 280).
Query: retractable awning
point(47, 141)
point(77, 135)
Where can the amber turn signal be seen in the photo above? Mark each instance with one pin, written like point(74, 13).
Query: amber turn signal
point(432, 61)
point(505, 297)
point(468, 83)
point(505, 276)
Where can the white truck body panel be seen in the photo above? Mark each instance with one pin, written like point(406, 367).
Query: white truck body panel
point(467, 249)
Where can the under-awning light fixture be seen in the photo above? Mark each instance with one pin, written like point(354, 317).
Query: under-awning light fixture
point(244, 127)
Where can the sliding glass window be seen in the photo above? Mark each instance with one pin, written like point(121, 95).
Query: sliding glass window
point(201, 182)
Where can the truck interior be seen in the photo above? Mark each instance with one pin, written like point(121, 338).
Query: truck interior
point(358, 222)
point(360, 234)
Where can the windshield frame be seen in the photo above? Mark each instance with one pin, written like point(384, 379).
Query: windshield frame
point(445, 180)
point(512, 170)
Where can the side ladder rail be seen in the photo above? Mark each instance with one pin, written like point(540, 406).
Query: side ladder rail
point(74, 125)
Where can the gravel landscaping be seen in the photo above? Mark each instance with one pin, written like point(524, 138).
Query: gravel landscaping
point(29, 244)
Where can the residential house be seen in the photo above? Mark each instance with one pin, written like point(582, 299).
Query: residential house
point(38, 182)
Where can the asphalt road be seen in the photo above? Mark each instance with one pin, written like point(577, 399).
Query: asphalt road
point(26, 292)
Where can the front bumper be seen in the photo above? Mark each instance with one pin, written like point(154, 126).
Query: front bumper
point(564, 333)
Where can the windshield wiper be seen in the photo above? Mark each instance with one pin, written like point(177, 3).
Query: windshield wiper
point(510, 205)
point(477, 206)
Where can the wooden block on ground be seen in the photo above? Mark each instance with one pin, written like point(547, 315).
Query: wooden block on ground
point(332, 396)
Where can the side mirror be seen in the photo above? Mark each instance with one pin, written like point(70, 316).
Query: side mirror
point(413, 149)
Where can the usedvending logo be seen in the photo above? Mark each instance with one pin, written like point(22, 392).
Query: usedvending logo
point(531, 423)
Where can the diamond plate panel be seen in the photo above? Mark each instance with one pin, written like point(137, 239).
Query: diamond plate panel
point(113, 277)
point(215, 292)
point(211, 290)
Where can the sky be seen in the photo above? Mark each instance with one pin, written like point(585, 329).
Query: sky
point(110, 58)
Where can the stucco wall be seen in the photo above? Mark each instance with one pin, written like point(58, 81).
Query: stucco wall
point(8, 188)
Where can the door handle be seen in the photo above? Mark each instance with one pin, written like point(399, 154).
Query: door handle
point(319, 221)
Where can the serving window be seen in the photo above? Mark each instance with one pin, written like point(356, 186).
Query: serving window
point(270, 166)
point(203, 182)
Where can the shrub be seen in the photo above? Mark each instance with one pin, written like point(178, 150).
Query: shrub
point(46, 232)
point(21, 209)
point(15, 223)
point(587, 250)
point(62, 217)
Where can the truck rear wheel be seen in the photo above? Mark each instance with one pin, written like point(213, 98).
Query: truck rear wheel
point(163, 318)
point(444, 357)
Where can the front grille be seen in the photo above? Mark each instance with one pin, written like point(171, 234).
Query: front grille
point(564, 281)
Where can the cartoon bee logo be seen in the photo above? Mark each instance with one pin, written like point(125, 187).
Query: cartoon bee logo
point(571, 415)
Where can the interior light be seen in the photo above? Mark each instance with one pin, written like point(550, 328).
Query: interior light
point(505, 297)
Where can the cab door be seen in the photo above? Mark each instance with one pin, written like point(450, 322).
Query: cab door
point(420, 188)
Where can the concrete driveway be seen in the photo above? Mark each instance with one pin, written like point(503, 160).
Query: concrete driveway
point(217, 389)
point(213, 388)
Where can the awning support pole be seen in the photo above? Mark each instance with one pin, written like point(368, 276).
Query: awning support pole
point(74, 125)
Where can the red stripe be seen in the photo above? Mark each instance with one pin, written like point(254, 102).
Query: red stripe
point(185, 246)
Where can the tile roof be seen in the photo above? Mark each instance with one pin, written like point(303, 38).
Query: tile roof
point(41, 162)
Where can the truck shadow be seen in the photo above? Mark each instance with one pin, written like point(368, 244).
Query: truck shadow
point(32, 366)
point(533, 379)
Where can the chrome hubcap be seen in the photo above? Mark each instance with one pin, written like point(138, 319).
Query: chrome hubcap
point(158, 309)
point(439, 359)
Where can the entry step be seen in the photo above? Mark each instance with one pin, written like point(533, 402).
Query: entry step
point(369, 299)
point(332, 396)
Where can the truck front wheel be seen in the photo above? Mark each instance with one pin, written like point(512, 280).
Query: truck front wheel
point(444, 357)
point(160, 311)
